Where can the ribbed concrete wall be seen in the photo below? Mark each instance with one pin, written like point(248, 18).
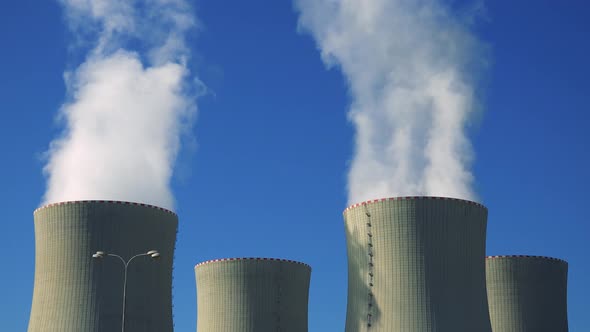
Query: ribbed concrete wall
point(252, 295)
point(75, 293)
point(416, 264)
point(527, 293)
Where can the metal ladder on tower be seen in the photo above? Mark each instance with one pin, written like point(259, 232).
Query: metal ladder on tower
point(370, 274)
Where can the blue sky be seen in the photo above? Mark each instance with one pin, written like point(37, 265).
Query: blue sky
point(273, 145)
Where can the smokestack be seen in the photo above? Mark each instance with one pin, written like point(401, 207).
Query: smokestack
point(74, 293)
point(416, 264)
point(527, 293)
point(252, 295)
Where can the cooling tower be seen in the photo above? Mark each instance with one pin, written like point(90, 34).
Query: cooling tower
point(416, 264)
point(74, 292)
point(252, 295)
point(527, 293)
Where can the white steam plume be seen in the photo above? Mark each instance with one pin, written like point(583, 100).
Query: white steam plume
point(410, 67)
point(128, 107)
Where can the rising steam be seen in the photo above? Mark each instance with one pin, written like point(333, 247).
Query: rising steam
point(128, 107)
point(410, 67)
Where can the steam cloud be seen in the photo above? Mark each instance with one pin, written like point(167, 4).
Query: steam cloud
point(411, 68)
point(128, 108)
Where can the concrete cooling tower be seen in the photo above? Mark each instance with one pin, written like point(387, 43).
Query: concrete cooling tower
point(416, 264)
point(527, 293)
point(252, 295)
point(74, 292)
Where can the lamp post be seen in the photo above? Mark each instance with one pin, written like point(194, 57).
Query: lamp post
point(154, 254)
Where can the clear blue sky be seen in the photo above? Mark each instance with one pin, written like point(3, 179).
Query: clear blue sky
point(268, 177)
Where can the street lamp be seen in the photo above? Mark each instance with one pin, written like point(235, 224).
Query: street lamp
point(153, 254)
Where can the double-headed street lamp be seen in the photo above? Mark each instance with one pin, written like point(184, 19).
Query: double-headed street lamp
point(153, 254)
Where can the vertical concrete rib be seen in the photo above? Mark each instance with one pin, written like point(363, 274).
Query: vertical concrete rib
point(416, 264)
point(527, 293)
point(252, 295)
point(73, 292)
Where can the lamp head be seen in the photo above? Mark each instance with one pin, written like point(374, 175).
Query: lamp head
point(99, 255)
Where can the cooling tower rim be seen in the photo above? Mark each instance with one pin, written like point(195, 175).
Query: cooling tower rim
point(526, 256)
point(409, 198)
point(252, 259)
point(106, 202)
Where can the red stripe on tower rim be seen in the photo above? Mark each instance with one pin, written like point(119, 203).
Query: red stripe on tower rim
point(403, 198)
point(219, 260)
point(103, 202)
point(526, 257)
